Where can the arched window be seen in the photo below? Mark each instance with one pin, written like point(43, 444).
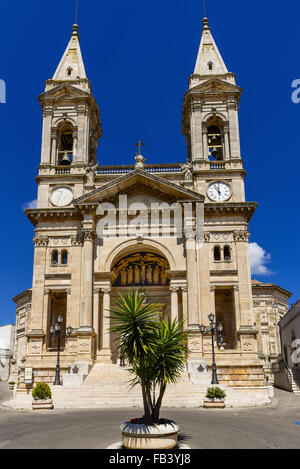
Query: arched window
point(217, 253)
point(54, 258)
point(65, 145)
point(227, 254)
point(64, 257)
point(215, 140)
point(210, 66)
point(69, 71)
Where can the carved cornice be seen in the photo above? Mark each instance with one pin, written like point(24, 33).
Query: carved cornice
point(41, 241)
point(77, 240)
point(242, 235)
point(51, 214)
point(89, 234)
point(245, 209)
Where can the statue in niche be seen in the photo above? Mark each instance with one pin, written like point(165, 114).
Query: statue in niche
point(149, 274)
point(143, 272)
point(90, 175)
point(187, 169)
point(156, 276)
point(130, 275)
point(137, 275)
point(123, 274)
point(163, 277)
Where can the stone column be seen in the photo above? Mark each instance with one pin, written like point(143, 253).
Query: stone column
point(96, 315)
point(174, 302)
point(234, 129)
point(196, 132)
point(184, 306)
point(237, 306)
point(38, 282)
point(244, 278)
point(226, 142)
point(54, 146)
point(68, 308)
point(75, 143)
point(105, 352)
point(86, 323)
point(46, 137)
point(213, 299)
point(192, 277)
point(46, 308)
point(205, 144)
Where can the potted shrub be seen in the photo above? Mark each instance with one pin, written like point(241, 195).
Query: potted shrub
point(215, 398)
point(41, 394)
point(156, 354)
point(11, 384)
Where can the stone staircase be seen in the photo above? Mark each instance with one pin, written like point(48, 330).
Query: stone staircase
point(107, 386)
point(285, 377)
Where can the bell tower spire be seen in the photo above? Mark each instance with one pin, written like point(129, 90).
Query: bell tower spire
point(71, 117)
point(210, 119)
point(71, 66)
point(209, 60)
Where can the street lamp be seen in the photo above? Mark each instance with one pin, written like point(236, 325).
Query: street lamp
point(214, 329)
point(56, 330)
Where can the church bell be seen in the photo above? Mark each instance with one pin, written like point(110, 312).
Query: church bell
point(65, 159)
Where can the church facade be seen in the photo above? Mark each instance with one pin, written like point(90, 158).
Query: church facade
point(180, 231)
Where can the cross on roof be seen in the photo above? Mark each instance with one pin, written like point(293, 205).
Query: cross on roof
point(140, 144)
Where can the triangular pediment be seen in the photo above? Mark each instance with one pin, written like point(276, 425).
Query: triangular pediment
point(64, 91)
point(215, 85)
point(139, 186)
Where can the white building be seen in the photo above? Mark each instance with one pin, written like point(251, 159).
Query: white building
point(6, 349)
point(287, 370)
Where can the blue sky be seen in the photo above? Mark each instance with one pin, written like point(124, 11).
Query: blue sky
point(138, 56)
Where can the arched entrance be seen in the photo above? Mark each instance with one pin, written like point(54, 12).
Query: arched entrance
point(144, 265)
point(147, 271)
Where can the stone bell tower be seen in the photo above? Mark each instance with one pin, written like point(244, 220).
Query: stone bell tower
point(210, 122)
point(71, 122)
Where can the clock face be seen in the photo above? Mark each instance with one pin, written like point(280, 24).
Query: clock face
point(61, 197)
point(219, 191)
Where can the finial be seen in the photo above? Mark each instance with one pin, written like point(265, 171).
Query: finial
point(205, 23)
point(75, 30)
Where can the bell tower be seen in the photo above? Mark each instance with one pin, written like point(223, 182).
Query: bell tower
point(210, 122)
point(71, 119)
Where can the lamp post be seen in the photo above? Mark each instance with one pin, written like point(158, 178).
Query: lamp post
point(214, 329)
point(56, 330)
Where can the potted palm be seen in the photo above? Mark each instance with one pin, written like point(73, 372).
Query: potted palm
point(214, 399)
point(156, 354)
point(41, 394)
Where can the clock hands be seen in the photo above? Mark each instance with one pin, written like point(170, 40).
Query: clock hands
point(61, 192)
point(218, 190)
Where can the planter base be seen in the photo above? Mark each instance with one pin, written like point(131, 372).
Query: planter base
point(46, 404)
point(139, 436)
point(208, 404)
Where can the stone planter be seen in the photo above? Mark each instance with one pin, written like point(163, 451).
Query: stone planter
point(11, 386)
point(139, 436)
point(214, 403)
point(42, 404)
